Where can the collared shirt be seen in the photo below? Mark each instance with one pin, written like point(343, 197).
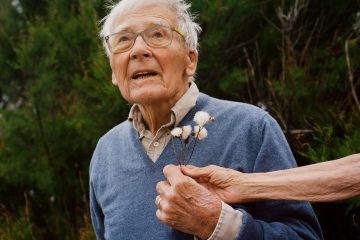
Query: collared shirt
point(230, 220)
point(154, 145)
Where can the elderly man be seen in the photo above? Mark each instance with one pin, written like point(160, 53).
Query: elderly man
point(152, 45)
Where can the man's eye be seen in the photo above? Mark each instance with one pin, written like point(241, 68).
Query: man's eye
point(123, 39)
point(157, 34)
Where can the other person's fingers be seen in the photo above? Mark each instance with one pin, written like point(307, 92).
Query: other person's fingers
point(197, 172)
point(192, 171)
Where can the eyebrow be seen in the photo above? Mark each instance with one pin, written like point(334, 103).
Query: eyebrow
point(130, 28)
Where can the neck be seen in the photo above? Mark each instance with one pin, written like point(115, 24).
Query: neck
point(155, 115)
point(158, 113)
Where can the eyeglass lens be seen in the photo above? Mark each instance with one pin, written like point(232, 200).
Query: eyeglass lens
point(155, 37)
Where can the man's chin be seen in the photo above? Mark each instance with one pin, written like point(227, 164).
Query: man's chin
point(147, 97)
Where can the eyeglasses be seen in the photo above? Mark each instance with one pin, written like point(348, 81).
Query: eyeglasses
point(156, 37)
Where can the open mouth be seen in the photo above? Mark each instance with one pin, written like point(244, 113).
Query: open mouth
point(142, 75)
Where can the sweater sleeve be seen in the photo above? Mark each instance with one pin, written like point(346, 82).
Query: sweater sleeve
point(276, 219)
point(97, 216)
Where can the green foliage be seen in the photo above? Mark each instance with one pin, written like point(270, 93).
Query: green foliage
point(235, 80)
point(333, 142)
point(15, 227)
point(56, 97)
point(51, 123)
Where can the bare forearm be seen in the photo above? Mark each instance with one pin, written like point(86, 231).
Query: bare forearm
point(322, 182)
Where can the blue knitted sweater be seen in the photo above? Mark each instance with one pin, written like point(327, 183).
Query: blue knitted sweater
point(243, 137)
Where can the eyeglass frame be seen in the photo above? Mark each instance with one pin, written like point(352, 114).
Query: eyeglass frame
point(173, 29)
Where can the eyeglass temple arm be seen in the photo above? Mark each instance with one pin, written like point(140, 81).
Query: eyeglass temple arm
point(179, 32)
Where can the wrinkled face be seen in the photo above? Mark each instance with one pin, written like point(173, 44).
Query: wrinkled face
point(147, 75)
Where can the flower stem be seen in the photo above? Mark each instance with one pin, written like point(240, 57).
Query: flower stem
point(183, 152)
point(193, 147)
point(174, 149)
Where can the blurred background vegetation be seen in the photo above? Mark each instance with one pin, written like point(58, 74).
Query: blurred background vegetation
point(297, 59)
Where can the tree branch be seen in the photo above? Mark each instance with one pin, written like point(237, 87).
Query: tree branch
point(351, 76)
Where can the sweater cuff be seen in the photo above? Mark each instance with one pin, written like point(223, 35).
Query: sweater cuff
point(228, 225)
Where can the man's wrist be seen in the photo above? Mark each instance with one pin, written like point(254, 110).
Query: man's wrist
point(208, 225)
point(228, 225)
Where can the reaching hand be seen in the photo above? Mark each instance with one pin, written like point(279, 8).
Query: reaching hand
point(223, 182)
point(186, 205)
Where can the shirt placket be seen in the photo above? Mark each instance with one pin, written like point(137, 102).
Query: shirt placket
point(157, 144)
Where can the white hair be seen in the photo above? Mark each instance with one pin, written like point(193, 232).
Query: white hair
point(185, 20)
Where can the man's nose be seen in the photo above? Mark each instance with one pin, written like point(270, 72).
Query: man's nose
point(140, 49)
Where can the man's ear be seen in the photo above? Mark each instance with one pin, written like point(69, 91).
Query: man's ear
point(113, 79)
point(192, 61)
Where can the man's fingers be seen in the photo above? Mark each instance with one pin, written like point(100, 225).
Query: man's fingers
point(157, 201)
point(173, 174)
point(162, 186)
point(159, 214)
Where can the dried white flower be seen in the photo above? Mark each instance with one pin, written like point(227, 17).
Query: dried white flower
point(200, 133)
point(186, 131)
point(189, 136)
point(176, 132)
point(201, 118)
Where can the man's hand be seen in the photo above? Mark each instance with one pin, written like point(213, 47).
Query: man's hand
point(186, 205)
point(223, 182)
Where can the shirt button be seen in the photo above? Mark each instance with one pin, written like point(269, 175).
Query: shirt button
point(156, 144)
